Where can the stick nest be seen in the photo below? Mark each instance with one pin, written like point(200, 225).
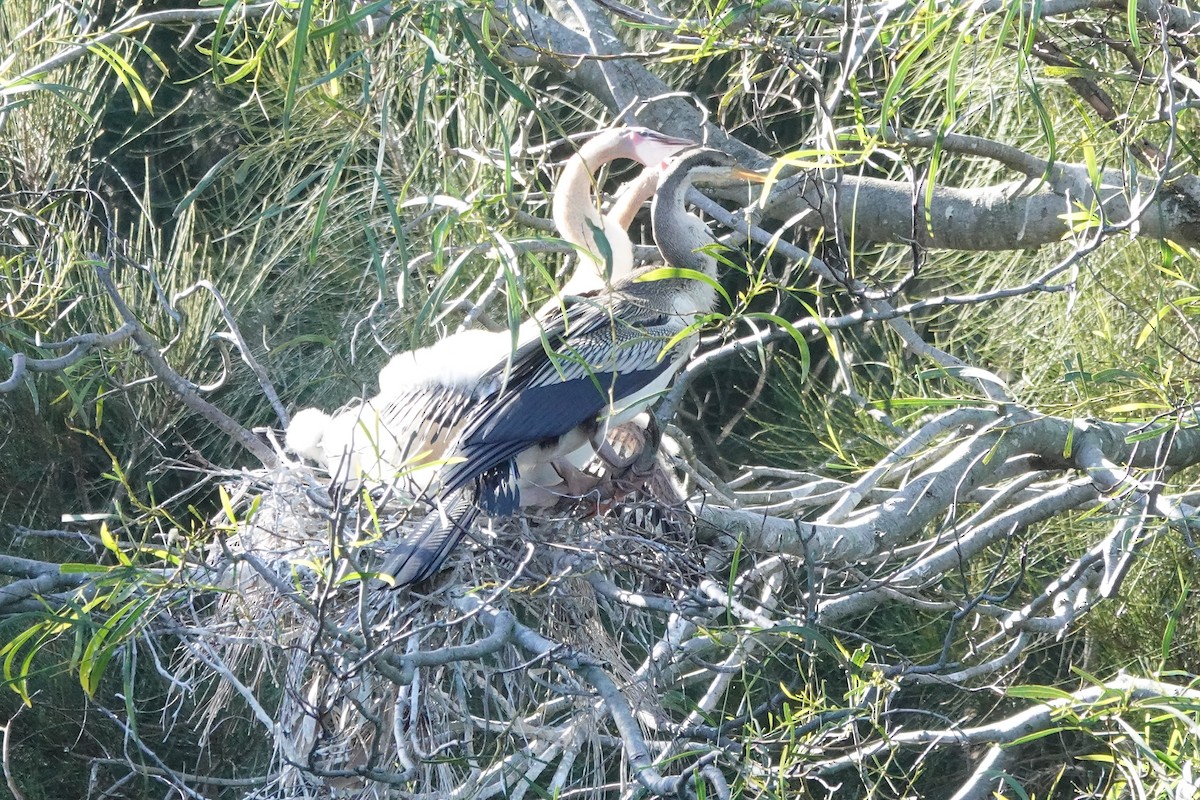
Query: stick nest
point(487, 679)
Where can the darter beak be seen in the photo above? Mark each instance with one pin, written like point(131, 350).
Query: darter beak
point(748, 175)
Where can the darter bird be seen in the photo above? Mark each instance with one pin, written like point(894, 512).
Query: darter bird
point(599, 361)
point(390, 437)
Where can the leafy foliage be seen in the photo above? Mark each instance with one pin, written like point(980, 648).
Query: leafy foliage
point(974, 208)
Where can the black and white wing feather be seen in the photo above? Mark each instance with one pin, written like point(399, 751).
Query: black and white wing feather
point(583, 365)
point(595, 354)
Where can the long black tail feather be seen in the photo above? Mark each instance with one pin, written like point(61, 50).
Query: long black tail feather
point(421, 554)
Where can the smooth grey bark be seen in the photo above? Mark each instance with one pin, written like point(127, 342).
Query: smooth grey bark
point(1017, 215)
point(1056, 443)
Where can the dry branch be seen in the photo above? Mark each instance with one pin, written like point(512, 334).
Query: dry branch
point(149, 351)
point(1026, 723)
point(80, 346)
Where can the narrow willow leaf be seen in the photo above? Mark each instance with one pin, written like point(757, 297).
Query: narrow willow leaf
point(666, 273)
point(299, 56)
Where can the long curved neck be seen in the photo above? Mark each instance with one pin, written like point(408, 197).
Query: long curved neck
point(578, 219)
point(629, 200)
point(680, 237)
point(632, 196)
point(679, 234)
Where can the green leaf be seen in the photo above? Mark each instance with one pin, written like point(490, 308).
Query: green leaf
point(227, 507)
point(17, 678)
point(104, 644)
point(83, 569)
point(110, 543)
point(299, 54)
point(813, 636)
point(205, 181)
point(798, 337)
point(332, 183)
point(962, 373)
point(929, 402)
point(687, 332)
point(350, 21)
point(126, 74)
point(1126, 408)
point(1042, 734)
point(1047, 124)
point(901, 78)
point(488, 66)
point(1039, 693)
point(1173, 616)
point(667, 273)
point(604, 247)
point(805, 159)
point(1131, 12)
point(1153, 432)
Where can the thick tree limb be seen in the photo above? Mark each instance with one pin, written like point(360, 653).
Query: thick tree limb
point(538, 40)
point(1007, 216)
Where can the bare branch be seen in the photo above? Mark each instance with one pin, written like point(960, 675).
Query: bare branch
point(953, 477)
point(539, 40)
point(635, 748)
point(5, 748)
point(1017, 726)
point(243, 347)
point(182, 389)
point(80, 347)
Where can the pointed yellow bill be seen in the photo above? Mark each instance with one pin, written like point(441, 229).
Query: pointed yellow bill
point(749, 175)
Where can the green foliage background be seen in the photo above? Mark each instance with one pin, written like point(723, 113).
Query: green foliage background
point(330, 169)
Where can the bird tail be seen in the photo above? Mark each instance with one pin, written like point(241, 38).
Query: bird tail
point(423, 551)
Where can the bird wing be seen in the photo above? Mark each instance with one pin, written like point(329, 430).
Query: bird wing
point(413, 430)
point(590, 356)
point(585, 361)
